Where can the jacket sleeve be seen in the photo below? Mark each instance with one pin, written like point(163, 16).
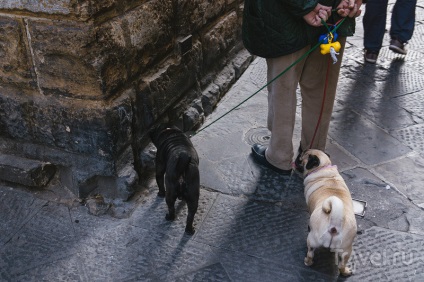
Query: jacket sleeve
point(299, 8)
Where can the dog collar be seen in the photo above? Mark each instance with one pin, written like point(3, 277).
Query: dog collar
point(324, 167)
point(169, 130)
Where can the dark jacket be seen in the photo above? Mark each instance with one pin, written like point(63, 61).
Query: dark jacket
point(273, 28)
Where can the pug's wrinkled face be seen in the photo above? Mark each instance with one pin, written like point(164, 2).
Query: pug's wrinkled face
point(313, 159)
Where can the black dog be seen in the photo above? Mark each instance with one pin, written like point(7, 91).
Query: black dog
point(177, 160)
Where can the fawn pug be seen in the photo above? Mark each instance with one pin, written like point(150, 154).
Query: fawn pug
point(332, 222)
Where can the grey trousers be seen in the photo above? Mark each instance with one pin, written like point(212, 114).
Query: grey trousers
point(311, 75)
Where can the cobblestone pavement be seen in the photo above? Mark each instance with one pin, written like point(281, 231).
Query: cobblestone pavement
point(252, 222)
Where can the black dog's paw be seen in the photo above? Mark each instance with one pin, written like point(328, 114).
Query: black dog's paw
point(189, 230)
point(169, 217)
point(161, 194)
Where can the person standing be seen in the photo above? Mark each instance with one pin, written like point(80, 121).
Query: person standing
point(401, 29)
point(282, 32)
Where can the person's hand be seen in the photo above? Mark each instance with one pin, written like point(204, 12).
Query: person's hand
point(319, 13)
point(349, 8)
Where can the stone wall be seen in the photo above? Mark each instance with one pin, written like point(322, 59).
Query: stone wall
point(81, 81)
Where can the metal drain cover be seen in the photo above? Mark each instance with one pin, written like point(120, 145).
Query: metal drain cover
point(260, 135)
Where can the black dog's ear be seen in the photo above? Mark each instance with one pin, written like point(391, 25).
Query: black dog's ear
point(313, 161)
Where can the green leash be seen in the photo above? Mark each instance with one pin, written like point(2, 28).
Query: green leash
point(275, 78)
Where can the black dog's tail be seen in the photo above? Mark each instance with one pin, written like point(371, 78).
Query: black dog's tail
point(183, 161)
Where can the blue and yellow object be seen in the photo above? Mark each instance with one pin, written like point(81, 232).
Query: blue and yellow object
point(327, 40)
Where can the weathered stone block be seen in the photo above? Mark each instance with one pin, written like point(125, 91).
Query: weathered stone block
point(65, 57)
point(26, 172)
point(134, 41)
point(81, 10)
point(194, 14)
point(241, 62)
point(105, 130)
point(120, 117)
point(15, 61)
point(159, 90)
point(191, 119)
point(121, 184)
point(85, 61)
point(40, 6)
point(105, 9)
point(210, 98)
point(225, 79)
point(220, 39)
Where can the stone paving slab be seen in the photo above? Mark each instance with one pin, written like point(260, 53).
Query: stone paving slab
point(231, 170)
point(413, 103)
point(350, 129)
point(267, 232)
point(386, 114)
point(340, 157)
point(213, 178)
point(412, 136)
point(133, 253)
point(401, 81)
point(222, 147)
point(257, 229)
point(385, 204)
point(415, 221)
point(47, 237)
point(150, 214)
point(68, 268)
point(242, 176)
point(213, 272)
point(16, 209)
point(385, 255)
point(383, 111)
point(407, 174)
point(85, 224)
point(127, 253)
point(242, 267)
point(235, 223)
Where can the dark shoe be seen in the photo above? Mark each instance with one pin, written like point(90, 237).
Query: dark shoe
point(371, 56)
point(297, 163)
point(397, 46)
point(258, 152)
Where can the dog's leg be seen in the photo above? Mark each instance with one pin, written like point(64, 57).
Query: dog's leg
point(344, 270)
point(192, 209)
point(309, 259)
point(192, 197)
point(171, 196)
point(170, 202)
point(160, 173)
point(192, 205)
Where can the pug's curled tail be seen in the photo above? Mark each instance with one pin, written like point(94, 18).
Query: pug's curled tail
point(334, 207)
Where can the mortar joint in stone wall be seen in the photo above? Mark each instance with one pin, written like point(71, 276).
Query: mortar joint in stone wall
point(28, 37)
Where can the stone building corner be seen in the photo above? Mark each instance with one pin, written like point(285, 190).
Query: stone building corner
point(81, 82)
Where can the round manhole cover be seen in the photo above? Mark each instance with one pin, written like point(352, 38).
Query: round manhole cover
point(259, 135)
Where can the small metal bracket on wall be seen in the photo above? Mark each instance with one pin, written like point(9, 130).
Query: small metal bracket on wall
point(185, 44)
